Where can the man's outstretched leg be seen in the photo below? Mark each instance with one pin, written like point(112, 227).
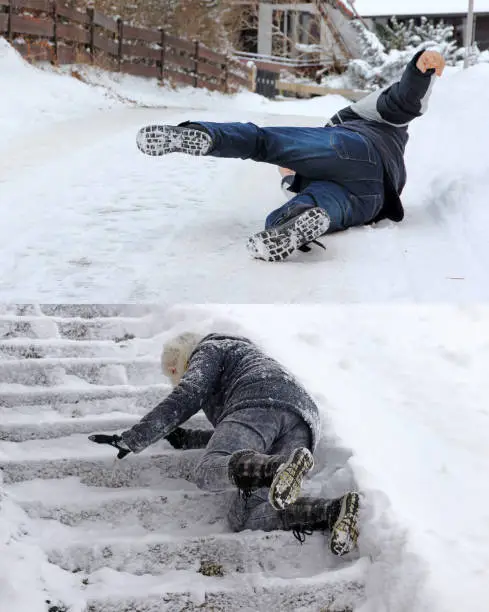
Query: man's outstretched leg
point(316, 153)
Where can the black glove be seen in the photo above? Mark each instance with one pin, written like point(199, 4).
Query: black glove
point(185, 439)
point(114, 440)
point(178, 438)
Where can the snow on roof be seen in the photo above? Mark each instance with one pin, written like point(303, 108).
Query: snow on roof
point(381, 8)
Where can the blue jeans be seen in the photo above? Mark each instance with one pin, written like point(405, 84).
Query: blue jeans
point(340, 169)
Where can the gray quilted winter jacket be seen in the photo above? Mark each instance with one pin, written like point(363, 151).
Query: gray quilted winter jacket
point(225, 374)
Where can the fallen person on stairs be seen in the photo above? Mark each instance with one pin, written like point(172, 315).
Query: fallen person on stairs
point(266, 428)
point(350, 172)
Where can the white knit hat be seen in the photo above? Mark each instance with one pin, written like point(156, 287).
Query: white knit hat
point(176, 354)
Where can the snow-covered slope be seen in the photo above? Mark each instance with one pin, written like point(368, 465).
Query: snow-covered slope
point(85, 214)
point(403, 394)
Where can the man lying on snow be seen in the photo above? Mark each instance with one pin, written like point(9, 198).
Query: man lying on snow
point(266, 427)
point(350, 172)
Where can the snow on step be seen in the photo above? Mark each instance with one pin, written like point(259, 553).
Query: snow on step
point(34, 348)
point(91, 311)
point(47, 425)
point(25, 428)
point(141, 470)
point(72, 503)
point(95, 371)
point(88, 311)
point(331, 591)
point(83, 400)
point(75, 328)
point(139, 552)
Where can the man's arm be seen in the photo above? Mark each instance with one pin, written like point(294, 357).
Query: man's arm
point(186, 399)
point(400, 103)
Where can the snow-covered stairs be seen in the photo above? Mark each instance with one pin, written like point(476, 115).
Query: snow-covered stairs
point(137, 533)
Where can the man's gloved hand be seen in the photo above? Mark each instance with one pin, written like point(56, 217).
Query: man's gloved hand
point(114, 440)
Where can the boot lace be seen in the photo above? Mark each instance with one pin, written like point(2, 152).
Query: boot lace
point(300, 532)
point(245, 494)
point(305, 248)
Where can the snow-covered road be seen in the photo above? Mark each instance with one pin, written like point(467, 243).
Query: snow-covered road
point(86, 216)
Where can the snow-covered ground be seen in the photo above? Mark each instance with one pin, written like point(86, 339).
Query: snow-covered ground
point(403, 394)
point(86, 216)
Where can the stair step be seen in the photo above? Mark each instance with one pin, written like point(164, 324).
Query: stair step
point(78, 401)
point(140, 552)
point(23, 428)
point(174, 505)
point(88, 311)
point(34, 348)
point(337, 590)
point(144, 470)
point(91, 311)
point(76, 328)
point(94, 371)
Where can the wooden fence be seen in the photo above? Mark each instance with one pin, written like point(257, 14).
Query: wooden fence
point(48, 30)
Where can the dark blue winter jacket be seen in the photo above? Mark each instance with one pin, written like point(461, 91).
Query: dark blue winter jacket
point(383, 117)
point(225, 374)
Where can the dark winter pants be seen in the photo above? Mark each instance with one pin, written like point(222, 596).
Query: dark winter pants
point(265, 430)
point(341, 170)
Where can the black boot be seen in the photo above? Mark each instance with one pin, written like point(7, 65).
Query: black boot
point(250, 470)
point(162, 139)
point(339, 517)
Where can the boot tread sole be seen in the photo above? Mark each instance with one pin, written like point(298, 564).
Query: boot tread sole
point(276, 244)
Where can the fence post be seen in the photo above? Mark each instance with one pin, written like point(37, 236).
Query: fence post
point(226, 75)
point(196, 63)
point(55, 30)
point(91, 15)
point(254, 75)
point(9, 25)
point(120, 34)
point(162, 54)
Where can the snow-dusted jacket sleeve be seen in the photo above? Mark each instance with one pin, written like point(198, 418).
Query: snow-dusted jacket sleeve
point(186, 399)
point(397, 104)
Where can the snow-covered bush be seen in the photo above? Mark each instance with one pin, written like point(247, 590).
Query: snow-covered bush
point(386, 54)
point(402, 35)
point(394, 35)
point(378, 67)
